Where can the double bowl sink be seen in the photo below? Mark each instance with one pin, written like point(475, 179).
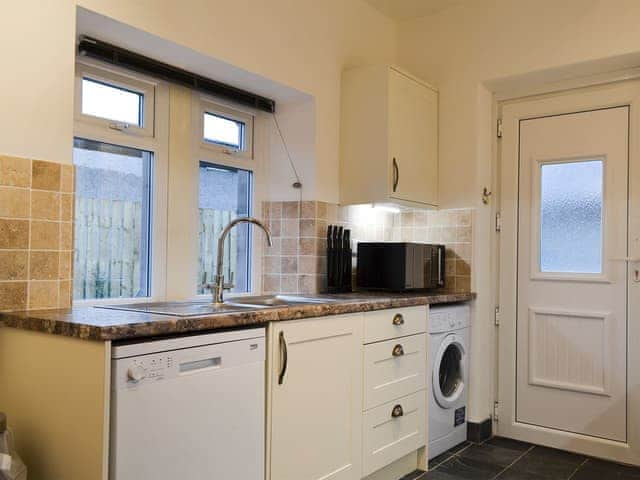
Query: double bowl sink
point(233, 305)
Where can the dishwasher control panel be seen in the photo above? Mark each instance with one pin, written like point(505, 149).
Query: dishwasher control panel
point(134, 372)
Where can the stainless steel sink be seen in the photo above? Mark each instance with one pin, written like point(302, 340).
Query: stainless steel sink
point(233, 305)
point(183, 309)
point(266, 301)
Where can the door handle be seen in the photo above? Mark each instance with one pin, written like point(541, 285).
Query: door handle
point(396, 174)
point(398, 319)
point(284, 355)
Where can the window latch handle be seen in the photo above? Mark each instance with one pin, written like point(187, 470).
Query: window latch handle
point(119, 126)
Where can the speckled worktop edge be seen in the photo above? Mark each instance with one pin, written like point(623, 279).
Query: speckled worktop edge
point(88, 323)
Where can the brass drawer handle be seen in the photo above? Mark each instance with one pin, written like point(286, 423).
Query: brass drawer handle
point(398, 319)
point(397, 411)
point(398, 351)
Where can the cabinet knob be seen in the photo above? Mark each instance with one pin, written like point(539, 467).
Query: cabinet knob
point(397, 411)
point(397, 351)
point(398, 319)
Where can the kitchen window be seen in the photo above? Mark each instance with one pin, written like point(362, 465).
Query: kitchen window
point(112, 221)
point(224, 194)
point(225, 130)
point(120, 185)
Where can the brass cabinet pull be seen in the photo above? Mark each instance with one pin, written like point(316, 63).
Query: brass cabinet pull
point(397, 411)
point(284, 354)
point(396, 174)
point(398, 319)
point(398, 351)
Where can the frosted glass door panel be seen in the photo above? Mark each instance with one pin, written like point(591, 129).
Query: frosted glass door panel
point(571, 196)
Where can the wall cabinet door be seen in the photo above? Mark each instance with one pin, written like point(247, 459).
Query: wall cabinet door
point(315, 399)
point(413, 140)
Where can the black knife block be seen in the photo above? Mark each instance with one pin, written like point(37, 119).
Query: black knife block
point(339, 259)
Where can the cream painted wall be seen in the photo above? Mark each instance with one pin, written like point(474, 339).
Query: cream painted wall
point(301, 43)
point(477, 43)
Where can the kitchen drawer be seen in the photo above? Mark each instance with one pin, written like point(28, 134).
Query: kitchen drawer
point(393, 430)
point(392, 323)
point(394, 368)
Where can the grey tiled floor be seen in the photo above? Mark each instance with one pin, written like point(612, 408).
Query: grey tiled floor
point(504, 459)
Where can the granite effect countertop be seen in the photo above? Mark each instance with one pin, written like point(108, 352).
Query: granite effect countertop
point(99, 324)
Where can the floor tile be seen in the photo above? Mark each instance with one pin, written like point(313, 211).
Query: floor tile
point(594, 469)
point(508, 443)
point(437, 475)
point(502, 457)
point(435, 461)
point(548, 464)
point(469, 469)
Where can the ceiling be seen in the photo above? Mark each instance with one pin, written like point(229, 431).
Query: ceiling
point(407, 9)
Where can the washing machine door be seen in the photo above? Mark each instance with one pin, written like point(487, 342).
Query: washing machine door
point(448, 371)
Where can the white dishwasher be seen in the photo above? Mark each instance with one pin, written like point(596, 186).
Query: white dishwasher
point(189, 408)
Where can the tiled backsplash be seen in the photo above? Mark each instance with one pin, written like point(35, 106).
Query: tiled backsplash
point(36, 234)
point(297, 263)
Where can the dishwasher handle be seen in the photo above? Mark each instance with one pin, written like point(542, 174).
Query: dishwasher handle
point(284, 354)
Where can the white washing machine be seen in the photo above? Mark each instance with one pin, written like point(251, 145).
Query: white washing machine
point(448, 372)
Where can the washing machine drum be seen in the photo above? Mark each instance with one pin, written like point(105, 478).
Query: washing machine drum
point(448, 371)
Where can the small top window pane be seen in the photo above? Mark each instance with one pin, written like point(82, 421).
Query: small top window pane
point(571, 217)
point(223, 131)
point(111, 102)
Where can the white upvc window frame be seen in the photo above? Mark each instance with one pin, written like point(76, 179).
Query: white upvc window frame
point(252, 159)
point(154, 137)
point(123, 80)
point(204, 104)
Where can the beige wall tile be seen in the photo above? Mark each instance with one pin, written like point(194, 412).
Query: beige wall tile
point(289, 246)
point(271, 283)
point(65, 271)
point(14, 234)
point(322, 211)
point(307, 246)
point(66, 207)
point(308, 210)
point(273, 249)
point(64, 294)
point(308, 283)
point(307, 264)
point(66, 236)
point(463, 234)
point(45, 175)
point(14, 202)
point(45, 205)
point(275, 226)
point(13, 265)
point(13, 296)
point(43, 265)
point(290, 228)
point(462, 268)
point(271, 264)
point(290, 209)
point(308, 228)
point(289, 265)
point(43, 294)
point(15, 171)
point(289, 284)
point(275, 210)
point(45, 235)
point(67, 179)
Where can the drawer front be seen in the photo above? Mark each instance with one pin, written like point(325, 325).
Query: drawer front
point(399, 322)
point(394, 368)
point(393, 430)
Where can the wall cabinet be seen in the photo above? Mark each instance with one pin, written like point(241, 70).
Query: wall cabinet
point(315, 399)
point(389, 138)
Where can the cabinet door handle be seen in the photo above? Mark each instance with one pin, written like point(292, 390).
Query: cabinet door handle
point(398, 319)
point(284, 360)
point(396, 174)
point(397, 411)
point(397, 351)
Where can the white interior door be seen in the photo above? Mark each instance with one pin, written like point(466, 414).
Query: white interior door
point(568, 276)
point(572, 287)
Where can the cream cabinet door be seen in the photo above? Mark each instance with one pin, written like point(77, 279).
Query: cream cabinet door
point(413, 140)
point(315, 399)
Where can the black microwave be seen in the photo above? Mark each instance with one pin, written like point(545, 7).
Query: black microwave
point(400, 267)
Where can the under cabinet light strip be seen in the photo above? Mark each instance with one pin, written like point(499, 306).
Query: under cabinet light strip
point(121, 57)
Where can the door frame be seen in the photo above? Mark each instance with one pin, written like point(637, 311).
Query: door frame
point(512, 112)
